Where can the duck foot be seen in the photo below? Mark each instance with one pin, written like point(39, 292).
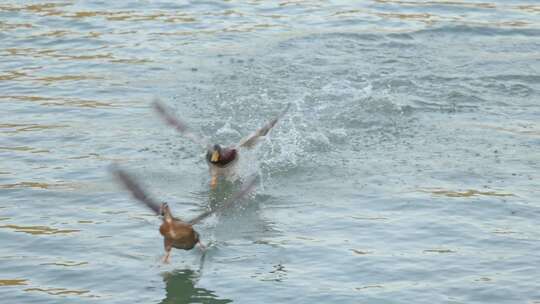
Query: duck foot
point(166, 258)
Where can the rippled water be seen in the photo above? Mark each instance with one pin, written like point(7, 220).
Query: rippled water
point(406, 170)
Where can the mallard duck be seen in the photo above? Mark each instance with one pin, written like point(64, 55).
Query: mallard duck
point(176, 233)
point(221, 160)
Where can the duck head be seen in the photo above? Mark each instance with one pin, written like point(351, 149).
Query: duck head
point(219, 156)
point(214, 154)
point(165, 211)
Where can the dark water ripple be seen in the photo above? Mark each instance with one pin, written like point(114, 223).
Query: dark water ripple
point(406, 170)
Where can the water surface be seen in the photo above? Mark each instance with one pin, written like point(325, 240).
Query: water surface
point(405, 171)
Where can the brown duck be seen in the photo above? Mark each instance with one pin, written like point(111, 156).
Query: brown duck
point(176, 233)
point(221, 160)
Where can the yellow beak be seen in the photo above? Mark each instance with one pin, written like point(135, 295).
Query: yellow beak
point(215, 156)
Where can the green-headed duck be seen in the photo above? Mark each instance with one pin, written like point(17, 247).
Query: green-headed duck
point(221, 160)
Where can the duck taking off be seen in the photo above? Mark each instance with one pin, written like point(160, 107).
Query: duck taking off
point(221, 160)
point(176, 232)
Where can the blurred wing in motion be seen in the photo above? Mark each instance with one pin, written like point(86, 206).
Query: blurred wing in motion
point(176, 123)
point(246, 189)
point(251, 140)
point(132, 186)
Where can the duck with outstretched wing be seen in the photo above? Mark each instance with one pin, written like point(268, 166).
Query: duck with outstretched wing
point(221, 160)
point(176, 233)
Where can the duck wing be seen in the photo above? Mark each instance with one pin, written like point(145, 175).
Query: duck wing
point(248, 186)
point(179, 125)
point(251, 140)
point(136, 190)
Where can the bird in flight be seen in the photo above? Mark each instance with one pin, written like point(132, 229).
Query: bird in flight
point(176, 232)
point(221, 160)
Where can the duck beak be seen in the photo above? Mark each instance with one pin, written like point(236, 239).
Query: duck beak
point(215, 156)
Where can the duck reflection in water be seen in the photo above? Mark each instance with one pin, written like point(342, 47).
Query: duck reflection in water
point(176, 233)
point(222, 161)
point(180, 288)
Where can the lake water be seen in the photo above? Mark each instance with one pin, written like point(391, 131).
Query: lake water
point(406, 171)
